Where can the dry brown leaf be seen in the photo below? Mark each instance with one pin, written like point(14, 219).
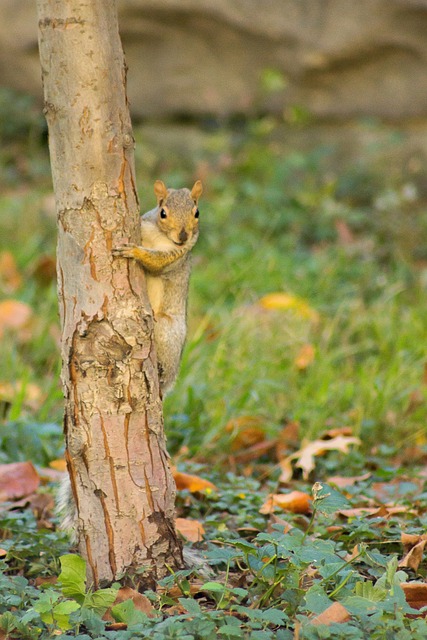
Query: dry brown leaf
point(359, 512)
point(10, 277)
point(341, 481)
point(141, 602)
point(336, 431)
point(415, 594)
point(254, 452)
point(414, 550)
point(305, 357)
point(14, 315)
point(295, 502)
point(193, 530)
point(45, 580)
point(17, 479)
point(50, 475)
point(245, 431)
point(305, 457)
point(336, 613)
point(383, 511)
point(192, 483)
point(175, 592)
point(287, 440)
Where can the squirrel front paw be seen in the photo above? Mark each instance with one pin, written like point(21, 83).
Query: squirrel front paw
point(125, 251)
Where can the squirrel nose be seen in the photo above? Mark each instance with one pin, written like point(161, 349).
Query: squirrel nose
point(183, 236)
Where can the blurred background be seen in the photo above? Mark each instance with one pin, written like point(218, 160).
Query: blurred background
point(306, 121)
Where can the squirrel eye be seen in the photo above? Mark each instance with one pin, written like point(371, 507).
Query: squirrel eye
point(196, 213)
point(163, 214)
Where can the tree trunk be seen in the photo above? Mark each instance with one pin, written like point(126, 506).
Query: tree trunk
point(115, 444)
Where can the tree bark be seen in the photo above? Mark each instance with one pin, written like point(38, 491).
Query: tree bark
point(113, 424)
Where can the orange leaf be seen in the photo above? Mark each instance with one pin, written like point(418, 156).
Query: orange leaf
point(295, 502)
point(9, 274)
point(336, 613)
point(17, 480)
point(14, 315)
point(58, 465)
point(190, 529)
point(305, 357)
point(192, 483)
point(245, 431)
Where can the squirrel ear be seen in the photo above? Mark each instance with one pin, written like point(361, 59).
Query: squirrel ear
point(160, 190)
point(197, 190)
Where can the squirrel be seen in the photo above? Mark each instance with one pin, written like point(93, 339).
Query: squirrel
point(168, 233)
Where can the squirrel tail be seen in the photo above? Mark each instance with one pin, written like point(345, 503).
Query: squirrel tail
point(66, 508)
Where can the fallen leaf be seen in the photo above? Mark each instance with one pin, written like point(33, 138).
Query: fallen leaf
point(245, 431)
point(415, 594)
point(282, 301)
point(287, 440)
point(14, 315)
point(382, 511)
point(45, 580)
point(254, 452)
point(305, 457)
point(10, 278)
point(336, 613)
point(50, 475)
point(193, 530)
point(295, 502)
point(336, 431)
point(175, 591)
point(58, 465)
point(360, 512)
point(192, 483)
point(141, 602)
point(305, 357)
point(17, 479)
point(341, 481)
point(414, 550)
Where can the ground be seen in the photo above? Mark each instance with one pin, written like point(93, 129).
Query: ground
point(299, 412)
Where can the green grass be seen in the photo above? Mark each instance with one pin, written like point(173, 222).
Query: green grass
point(350, 245)
point(269, 224)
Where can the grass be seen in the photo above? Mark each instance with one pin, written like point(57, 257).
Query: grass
point(348, 247)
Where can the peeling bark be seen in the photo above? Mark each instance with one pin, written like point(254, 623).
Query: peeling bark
point(113, 424)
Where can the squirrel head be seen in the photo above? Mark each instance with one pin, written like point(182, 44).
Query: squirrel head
point(177, 212)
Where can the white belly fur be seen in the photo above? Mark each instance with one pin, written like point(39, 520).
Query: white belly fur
point(155, 290)
point(152, 238)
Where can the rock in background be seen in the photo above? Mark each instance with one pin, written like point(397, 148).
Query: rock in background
point(339, 60)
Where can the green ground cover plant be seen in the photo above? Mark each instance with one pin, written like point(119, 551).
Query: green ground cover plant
point(307, 323)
